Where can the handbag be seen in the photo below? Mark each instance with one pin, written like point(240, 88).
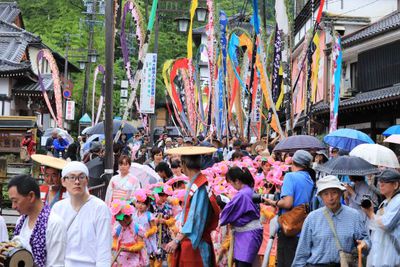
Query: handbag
point(346, 259)
point(292, 221)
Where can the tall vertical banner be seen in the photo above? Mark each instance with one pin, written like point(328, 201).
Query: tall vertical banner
point(148, 89)
point(70, 110)
point(335, 86)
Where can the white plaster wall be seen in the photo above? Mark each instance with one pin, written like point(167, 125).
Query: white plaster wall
point(373, 9)
point(4, 86)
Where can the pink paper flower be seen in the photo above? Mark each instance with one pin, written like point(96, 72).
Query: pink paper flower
point(141, 195)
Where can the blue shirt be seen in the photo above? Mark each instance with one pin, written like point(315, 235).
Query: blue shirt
point(317, 243)
point(298, 185)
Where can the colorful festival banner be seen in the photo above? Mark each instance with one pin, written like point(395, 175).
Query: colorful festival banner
point(97, 70)
point(46, 54)
point(131, 6)
point(148, 88)
point(335, 86)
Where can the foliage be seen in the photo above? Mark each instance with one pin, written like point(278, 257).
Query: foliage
point(52, 19)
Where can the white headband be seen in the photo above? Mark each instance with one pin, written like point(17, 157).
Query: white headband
point(74, 166)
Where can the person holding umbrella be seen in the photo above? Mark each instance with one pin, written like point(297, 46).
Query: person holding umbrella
point(384, 225)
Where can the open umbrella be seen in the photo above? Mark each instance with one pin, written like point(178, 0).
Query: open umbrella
point(145, 174)
point(395, 129)
point(296, 142)
point(96, 170)
point(347, 139)
point(394, 138)
point(376, 155)
point(99, 128)
point(63, 133)
point(347, 165)
point(84, 131)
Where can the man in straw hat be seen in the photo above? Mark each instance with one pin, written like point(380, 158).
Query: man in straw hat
point(330, 229)
point(52, 191)
point(193, 246)
point(40, 232)
point(87, 219)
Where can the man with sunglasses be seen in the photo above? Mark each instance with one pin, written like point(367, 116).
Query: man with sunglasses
point(87, 218)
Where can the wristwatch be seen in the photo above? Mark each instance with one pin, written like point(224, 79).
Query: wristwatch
point(177, 241)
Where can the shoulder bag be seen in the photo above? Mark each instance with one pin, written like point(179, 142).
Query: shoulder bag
point(346, 259)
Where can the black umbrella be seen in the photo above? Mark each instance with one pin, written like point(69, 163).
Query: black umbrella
point(296, 142)
point(99, 128)
point(348, 165)
point(96, 170)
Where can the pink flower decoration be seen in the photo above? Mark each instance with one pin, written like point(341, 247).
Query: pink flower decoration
point(141, 195)
point(127, 209)
point(168, 190)
point(180, 194)
point(116, 206)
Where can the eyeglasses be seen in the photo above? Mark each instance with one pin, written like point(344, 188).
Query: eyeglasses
point(74, 178)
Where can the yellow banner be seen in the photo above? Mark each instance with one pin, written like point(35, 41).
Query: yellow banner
point(314, 74)
point(193, 8)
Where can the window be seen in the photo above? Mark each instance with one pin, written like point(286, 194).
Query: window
point(353, 75)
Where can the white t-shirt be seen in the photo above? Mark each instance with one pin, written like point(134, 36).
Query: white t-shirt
point(55, 239)
point(89, 237)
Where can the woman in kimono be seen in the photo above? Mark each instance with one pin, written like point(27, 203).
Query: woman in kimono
point(385, 227)
point(244, 217)
point(122, 185)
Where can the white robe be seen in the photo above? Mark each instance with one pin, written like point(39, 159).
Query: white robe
point(89, 237)
point(56, 236)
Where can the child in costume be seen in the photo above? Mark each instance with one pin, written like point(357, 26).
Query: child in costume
point(163, 214)
point(146, 220)
point(128, 245)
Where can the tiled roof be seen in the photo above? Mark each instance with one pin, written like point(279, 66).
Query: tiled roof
point(389, 23)
point(9, 11)
point(35, 87)
point(13, 41)
point(364, 98)
point(10, 66)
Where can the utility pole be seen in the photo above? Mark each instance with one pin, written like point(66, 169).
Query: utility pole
point(153, 117)
point(109, 78)
point(91, 22)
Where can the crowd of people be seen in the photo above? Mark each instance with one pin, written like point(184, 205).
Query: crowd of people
point(214, 203)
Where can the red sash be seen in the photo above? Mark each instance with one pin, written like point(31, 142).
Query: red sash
point(191, 257)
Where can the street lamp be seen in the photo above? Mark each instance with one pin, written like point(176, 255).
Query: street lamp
point(201, 14)
point(82, 64)
point(93, 56)
point(183, 24)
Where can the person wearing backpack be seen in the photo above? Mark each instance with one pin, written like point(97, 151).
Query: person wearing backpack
point(192, 246)
point(296, 194)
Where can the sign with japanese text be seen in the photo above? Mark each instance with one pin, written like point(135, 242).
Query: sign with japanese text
point(148, 89)
point(70, 110)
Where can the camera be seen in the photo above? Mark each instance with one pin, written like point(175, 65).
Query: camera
point(257, 198)
point(366, 202)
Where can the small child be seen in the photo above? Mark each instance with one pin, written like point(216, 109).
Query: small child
point(128, 246)
point(146, 220)
point(163, 213)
